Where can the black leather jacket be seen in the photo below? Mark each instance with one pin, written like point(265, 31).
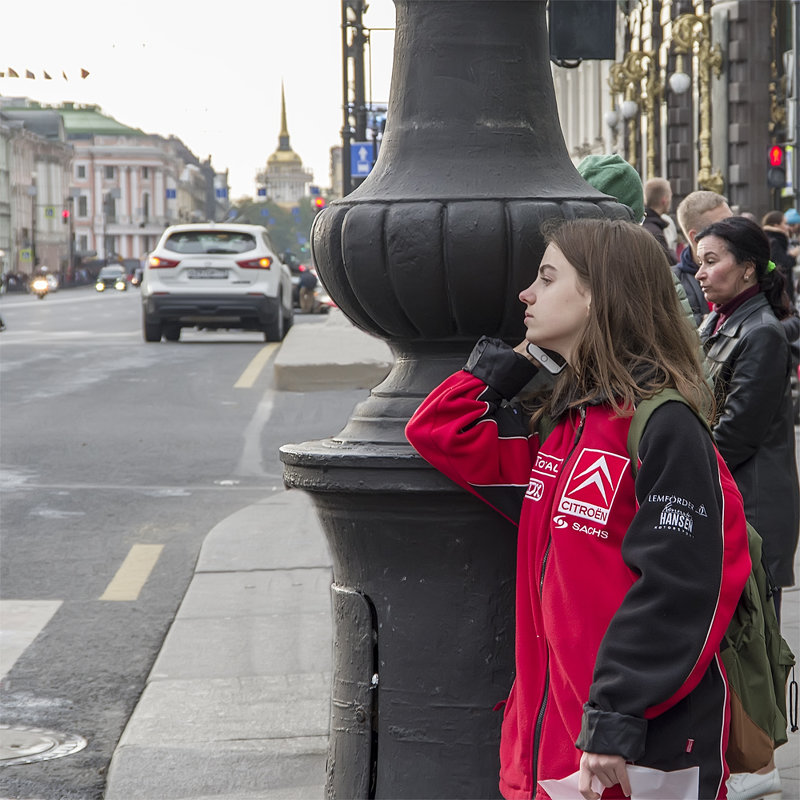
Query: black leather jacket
point(749, 361)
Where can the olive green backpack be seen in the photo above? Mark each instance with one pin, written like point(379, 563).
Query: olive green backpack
point(756, 657)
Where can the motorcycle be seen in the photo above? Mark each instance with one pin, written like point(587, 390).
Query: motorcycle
point(40, 287)
point(312, 297)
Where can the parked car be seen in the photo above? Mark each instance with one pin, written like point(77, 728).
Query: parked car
point(112, 277)
point(216, 275)
point(133, 270)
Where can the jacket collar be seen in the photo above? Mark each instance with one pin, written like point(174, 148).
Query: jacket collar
point(777, 233)
point(733, 324)
point(687, 262)
point(653, 216)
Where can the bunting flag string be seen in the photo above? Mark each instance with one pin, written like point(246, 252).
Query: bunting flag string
point(10, 72)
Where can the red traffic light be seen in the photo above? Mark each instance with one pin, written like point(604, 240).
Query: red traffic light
point(318, 202)
point(776, 156)
point(65, 213)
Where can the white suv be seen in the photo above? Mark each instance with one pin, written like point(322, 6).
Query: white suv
point(215, 275)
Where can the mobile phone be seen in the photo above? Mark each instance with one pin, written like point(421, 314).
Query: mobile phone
point(549, 359)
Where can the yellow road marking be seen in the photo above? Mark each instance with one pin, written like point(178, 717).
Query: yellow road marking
point(133, 573)
point(253, 370)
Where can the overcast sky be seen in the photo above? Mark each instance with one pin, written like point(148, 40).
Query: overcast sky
point(209, 73)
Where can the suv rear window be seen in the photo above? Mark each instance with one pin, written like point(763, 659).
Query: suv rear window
point(210, 242)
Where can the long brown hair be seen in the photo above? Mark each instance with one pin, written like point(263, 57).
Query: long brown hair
point(637, 340)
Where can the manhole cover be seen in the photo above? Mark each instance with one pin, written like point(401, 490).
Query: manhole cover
point(26, 745)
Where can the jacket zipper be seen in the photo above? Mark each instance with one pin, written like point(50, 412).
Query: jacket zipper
point(537, 731)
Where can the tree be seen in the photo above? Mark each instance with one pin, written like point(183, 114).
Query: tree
point(289, 229)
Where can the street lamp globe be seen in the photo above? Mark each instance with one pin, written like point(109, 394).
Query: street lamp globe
point(679, 82)
point(611, 118)
point(630, 108)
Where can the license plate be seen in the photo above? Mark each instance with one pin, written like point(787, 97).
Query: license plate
point(207, 273)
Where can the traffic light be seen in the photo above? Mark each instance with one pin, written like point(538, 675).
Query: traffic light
point(776, 171)
point(318, 203)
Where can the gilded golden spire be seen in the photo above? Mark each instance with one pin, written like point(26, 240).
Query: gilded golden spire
point(284, 153)
point(284, 134)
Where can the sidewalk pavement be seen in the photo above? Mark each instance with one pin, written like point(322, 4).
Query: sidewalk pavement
point(237, 704)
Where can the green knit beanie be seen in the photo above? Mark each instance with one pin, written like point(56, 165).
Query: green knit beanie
point(614, 176)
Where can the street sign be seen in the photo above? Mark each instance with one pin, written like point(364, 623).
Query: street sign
point(361, 159)
point(50, 211)
point(171, 194)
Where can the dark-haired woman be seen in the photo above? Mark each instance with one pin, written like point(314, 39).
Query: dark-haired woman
point(749, 359)
point(625, 585)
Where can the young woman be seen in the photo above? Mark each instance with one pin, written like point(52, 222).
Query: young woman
point(625, 585)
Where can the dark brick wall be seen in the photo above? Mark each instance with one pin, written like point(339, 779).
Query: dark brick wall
point(747, 63)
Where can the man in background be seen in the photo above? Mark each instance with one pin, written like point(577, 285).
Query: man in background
point(657, 204)
point(614, 176)
point(695, 212)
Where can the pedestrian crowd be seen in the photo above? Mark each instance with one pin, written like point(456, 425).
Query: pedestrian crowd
point(630, 563)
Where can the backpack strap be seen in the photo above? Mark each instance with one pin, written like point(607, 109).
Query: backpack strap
point(545, 427)
point(642, 415)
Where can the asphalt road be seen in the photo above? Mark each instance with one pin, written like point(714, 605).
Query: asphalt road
point(116, 459)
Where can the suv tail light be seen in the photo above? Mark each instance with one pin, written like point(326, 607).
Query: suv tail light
point(162, 263)
point(256, 263)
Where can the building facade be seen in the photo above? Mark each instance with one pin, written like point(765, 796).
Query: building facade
point(78, 187)
point(34, 180)
point(697, 94)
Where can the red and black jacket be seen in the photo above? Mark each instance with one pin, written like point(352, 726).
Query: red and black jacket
point(624, 586)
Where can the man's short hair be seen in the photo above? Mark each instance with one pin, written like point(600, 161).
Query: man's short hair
point(692, 208)
point(655, 191)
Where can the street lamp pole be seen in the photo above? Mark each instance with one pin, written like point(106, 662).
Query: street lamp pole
point(636, 79)
point(692, 33)
point(347, 185)
point(353, 91)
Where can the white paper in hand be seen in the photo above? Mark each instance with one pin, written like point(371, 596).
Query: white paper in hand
point(567, 788)
point(646, 784)
point(653, 784)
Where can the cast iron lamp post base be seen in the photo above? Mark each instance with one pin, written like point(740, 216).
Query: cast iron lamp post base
point(429, 253)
